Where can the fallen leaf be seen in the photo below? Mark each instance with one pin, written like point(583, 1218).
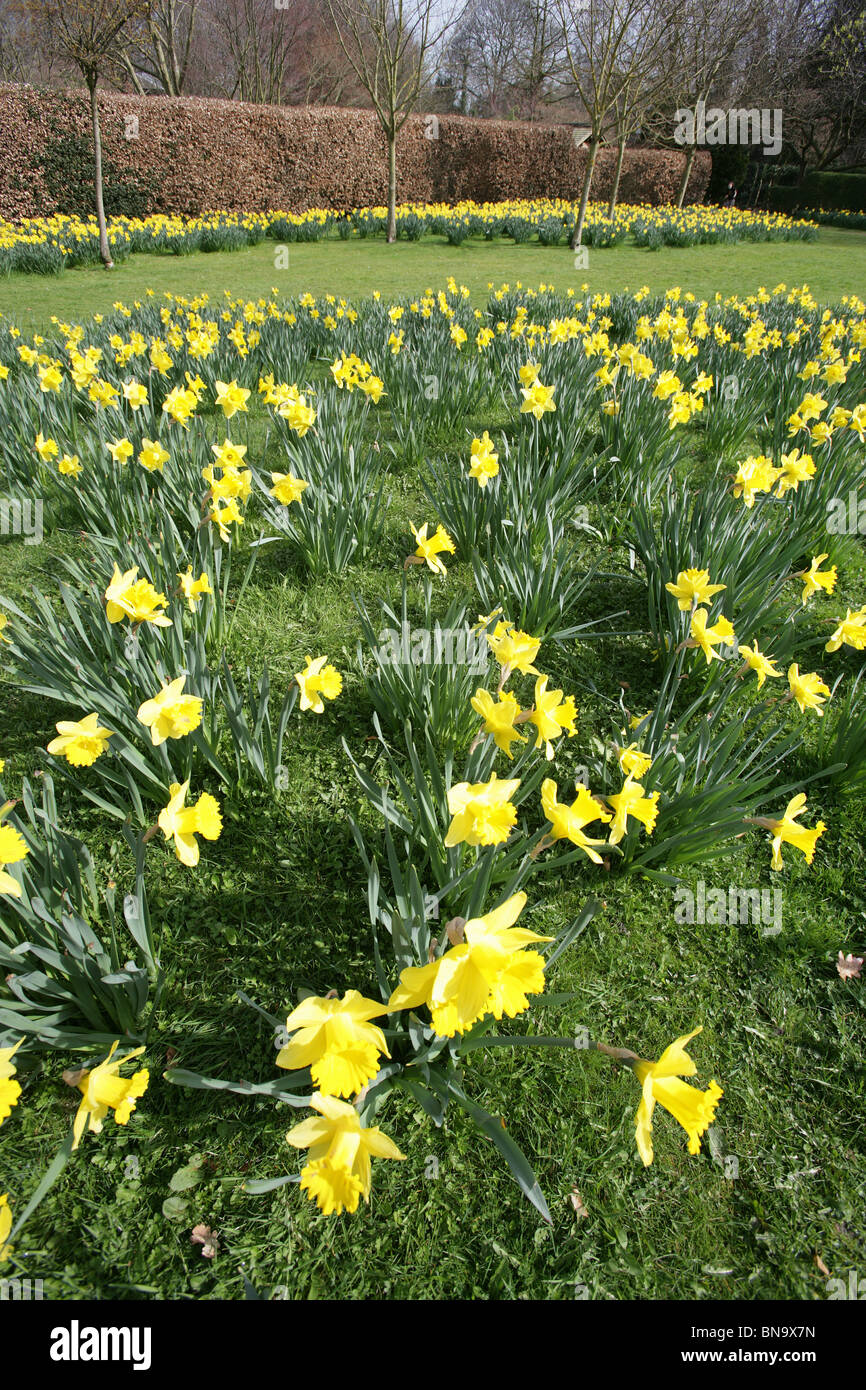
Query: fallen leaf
point(203, 1235)
point(849, 966)
point(578, 1203)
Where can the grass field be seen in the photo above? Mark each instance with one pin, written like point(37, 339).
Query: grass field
point(278, 904)
point(833, 265)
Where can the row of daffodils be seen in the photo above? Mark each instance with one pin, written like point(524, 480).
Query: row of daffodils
point(47, 244)
point(135, 429)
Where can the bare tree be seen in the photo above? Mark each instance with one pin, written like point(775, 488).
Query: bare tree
point(28, 52)
point(158, 48)
point(706, 56)
point(505, 55)
point(821, 79)
point(90, 35)
point(388, 44)
point(610, 46)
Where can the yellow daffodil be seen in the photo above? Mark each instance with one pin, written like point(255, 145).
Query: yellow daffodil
point(633, 762)
point(316, 681)
point(499, 717)
point(136, 599)
point(152, 456)
point(707, 638)
point(231, 398)
point(287, 489)
point(787, 832)
point(537, 399)
point(182, 823)
point(693, 587)
point(694, 1109)
point(10, 1089)
point(632, 801)
point(489, 972)
point(797, 468)
point(755, 474)
point(814, 578)
point(13, 848)
point(568, 822)
point(194, 590)
point(335, 1038)
point(103, 1090)
point(514, 650)
point(46, 448)
point(482, 813)
point(120, 450)
point(429, 550)
point(807, 689)
point(851, 631)
point(485, 463)
point(82, 743)
point(171, 714)
point(551, 716)
point(338, 1171)
point(756, 661)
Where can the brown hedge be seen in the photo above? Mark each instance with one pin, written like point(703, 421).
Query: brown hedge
point(192, 154)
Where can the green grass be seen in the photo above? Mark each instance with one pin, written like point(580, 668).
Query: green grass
point(278, 904)
point(833, 265)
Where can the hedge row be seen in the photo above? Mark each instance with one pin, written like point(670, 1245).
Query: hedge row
point(827, 189)
point(187, 155)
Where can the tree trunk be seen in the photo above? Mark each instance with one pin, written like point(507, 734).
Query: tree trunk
point(104, 247)
point(687, 173)
point(620, 160)
point(584, 192)
point(392, 189)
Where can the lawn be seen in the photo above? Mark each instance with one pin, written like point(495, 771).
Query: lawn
point(773, 1205)
point(832, 266)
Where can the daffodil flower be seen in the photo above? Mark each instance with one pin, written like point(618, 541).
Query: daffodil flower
point(814, 578)
point(193, 590)
point(851, 631)
point(10, 1089)
point(13, 848)
point(316, 681)
point(568, 822)
point(338, 1171)
point(171, 714)
point(80, 743)
point(787, 832)
point(756, 661)
point(693, 587)
point(103, 1090)
point(514, 650)
point(429, 550)
point(182, 823)
point(499, 718)
point(632, 801)
point(807, 689)
point(336, 1039)
point(5, 1226)
point(482, 813)
point(551, 715)
point(694, 1109)
point(127, 597)
point(490, 972)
